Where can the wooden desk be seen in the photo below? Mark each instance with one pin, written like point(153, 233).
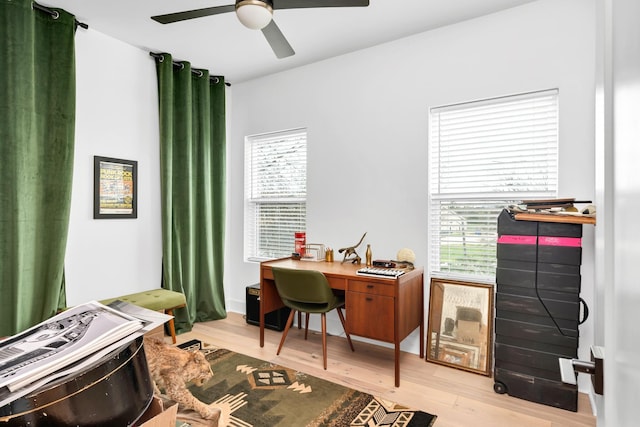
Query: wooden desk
point(380, 309)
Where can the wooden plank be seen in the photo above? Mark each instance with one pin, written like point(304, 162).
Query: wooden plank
point(555, 217)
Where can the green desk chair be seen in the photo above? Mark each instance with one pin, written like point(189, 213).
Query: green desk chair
point(308, 291)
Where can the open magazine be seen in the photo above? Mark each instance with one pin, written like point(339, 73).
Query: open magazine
point(67, 343)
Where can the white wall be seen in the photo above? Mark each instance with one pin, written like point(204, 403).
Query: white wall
point(618, 152)
point(367, 115)
point(116, 117)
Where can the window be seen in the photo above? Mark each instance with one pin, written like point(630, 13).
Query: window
point(484, 156)
point(275, 193)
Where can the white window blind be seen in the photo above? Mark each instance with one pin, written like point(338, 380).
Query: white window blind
point(275, 193)
point(484, 156)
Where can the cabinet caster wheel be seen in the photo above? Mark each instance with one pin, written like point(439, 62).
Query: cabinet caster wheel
point(499, 387)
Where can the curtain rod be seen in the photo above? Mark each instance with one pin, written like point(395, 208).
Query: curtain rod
point(55, 14)
point(195, 71)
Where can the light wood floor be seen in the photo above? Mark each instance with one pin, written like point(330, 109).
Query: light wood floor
point(458, 398)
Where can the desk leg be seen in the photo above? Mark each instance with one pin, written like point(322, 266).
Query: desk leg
point(269, 301)
point(397, 364)
point(261, 317)
point(422, 327)
point(422, 340)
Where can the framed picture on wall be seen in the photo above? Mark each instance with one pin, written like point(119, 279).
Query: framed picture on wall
point(115, 188)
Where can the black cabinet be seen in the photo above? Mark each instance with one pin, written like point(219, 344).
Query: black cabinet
point(538, 309)
point(275, 320)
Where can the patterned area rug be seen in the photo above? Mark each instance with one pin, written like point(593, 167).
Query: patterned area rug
point(265, 395)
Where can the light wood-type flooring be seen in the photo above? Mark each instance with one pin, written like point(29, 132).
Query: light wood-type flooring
point(458, 398)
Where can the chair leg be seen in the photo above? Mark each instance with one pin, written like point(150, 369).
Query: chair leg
point(324, 339)
point(306, 325)
point(344, 326)
point(286, 330)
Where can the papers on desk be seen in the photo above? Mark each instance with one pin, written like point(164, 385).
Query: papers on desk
point(313, 252)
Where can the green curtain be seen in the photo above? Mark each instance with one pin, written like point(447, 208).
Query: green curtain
point(37, 110)
point(192, 168)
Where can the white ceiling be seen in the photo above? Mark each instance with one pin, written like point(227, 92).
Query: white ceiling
point(223, 46)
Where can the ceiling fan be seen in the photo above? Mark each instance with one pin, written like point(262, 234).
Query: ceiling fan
point(257, 15)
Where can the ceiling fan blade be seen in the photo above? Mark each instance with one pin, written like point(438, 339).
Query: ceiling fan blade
point(278, 42)
point(191, 14)
point(301, 4)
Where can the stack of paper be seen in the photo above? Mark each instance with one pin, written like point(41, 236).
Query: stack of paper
point(68, 342)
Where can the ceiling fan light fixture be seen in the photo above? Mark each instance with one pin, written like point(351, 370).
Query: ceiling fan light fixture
point(254, 14)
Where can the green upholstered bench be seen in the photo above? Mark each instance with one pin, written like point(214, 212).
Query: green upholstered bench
point(156, 299)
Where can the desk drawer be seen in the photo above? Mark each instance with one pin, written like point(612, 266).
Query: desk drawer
point(370, 316)
point(337, 282)
point(370, 287)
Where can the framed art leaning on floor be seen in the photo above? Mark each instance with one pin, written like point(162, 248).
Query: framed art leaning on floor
point(459, 332)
